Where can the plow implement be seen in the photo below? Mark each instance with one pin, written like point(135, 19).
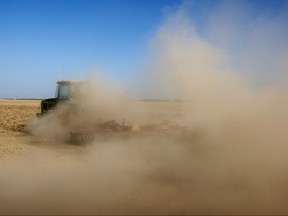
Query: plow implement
point(112, 130)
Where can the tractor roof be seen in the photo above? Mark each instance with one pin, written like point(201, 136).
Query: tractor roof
point(71, 82)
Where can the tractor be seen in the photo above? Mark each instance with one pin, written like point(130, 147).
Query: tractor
point(66, 91)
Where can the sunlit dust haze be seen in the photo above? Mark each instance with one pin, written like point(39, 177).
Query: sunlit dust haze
point(226, 83)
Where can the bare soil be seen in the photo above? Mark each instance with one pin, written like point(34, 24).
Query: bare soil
point(14, 115)
point(15, 142)
point(226, 173)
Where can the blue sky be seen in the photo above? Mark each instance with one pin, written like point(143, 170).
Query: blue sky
point(42, 41)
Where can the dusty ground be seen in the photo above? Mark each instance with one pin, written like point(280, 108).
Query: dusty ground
point(15, 142)
point(14, 115)
point(231, 171)
point(38, 176)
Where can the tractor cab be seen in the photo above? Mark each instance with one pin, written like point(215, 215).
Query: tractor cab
point(65, 91)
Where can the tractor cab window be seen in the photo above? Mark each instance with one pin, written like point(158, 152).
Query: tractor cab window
point(68, 90)
point(63, 91)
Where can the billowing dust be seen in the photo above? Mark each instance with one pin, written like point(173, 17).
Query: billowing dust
point(232, 161)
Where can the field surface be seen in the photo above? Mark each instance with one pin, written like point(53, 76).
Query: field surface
point(211, 170)
point(14, 115)
point(16, 142)
point(31, 166)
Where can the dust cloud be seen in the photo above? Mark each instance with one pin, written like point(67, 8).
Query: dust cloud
point(232, 160)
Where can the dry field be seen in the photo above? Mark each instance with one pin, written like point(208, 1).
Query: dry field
point(15, 142)
point(227, 170)
point(31, 167)
point(14, 115)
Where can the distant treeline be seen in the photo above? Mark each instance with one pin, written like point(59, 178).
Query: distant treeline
point(22, 98)
point(149, 100)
